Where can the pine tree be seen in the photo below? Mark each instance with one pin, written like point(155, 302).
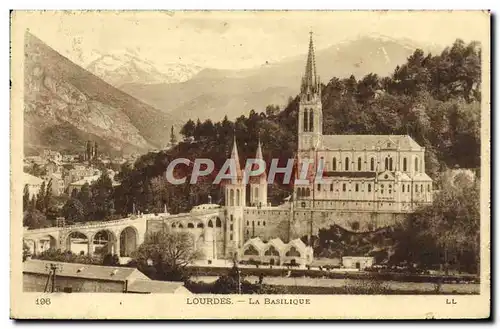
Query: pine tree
point(41, 197)
point(47, 196)
point(173, 139)
point(26, 197)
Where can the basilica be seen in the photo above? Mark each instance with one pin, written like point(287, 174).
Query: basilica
point(368, 182)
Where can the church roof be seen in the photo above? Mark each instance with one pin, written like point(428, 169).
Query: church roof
point(369, 142)
point(422, 177)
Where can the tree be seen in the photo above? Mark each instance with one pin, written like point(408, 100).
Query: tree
point(188, 129)
point(26, 197)
point(74, 211)
point(47, 197)
point(102, 193)
point(167, 253)
point(35, 219)
point(40, 198)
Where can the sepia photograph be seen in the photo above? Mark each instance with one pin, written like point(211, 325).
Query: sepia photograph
point(250, 161)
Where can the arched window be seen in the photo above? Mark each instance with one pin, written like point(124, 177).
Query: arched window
point(416, 188)
point(210, 223)
point(343, 187)
point(369, 187)
point(403, 187)
point(331, 187)
point(231, 197)
point(359, 164)
point(346, 164)
point(372, 164)
point(382, 189)
point(218, 222)
point(231, 217)
point(386, 164)
point(334, 164)
point(264, 223)
point(181, 226)
point(308, 192)
point(405, 165)
point(390, 164)
point(306, 120)
point(428, 187)
point(319, 187)
point(311, 120)
point(416, 164)
point(190, 225)
point(357, 187)
point(231, 227)
point(256, 192)
point(421, 187)
point(238, 197)
point(200, 225)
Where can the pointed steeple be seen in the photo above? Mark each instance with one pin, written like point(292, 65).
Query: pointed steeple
point(310, 81)
point(236, 158)
point(263, 176)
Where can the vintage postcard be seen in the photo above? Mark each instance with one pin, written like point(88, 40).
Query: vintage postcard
point(250, 164)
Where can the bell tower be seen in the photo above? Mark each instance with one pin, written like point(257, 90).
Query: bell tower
point(235, 202)
point(310, 123)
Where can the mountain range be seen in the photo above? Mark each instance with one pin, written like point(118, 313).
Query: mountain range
point(66, 105)
point(213, 93)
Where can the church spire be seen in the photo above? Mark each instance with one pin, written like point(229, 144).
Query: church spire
point(310, 81)
point(236, 158)
point(259, 156)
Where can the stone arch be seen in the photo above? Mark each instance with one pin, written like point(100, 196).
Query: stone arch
point(128, 241)
point(293, 252)
point(104, 242)
point(77, 242)
point(180, 225)
point(190, 225)
point(210, 223)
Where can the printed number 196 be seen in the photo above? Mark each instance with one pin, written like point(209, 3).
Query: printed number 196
point(42, 301)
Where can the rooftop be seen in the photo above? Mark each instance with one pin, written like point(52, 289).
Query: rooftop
point(84, 271)
point(369, 142)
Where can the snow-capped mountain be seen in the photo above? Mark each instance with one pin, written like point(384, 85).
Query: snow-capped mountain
point(119, 68)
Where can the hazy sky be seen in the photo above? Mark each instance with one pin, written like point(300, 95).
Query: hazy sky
point(236, 39)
